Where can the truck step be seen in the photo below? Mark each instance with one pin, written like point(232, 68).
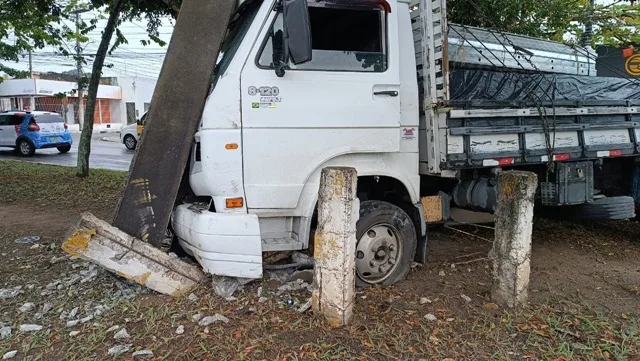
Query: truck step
point(281, 244)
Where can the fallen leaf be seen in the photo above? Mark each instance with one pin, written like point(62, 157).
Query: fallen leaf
point(561, 358)
point(490, 306)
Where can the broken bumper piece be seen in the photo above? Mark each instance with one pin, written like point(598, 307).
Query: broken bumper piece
point(225, 244)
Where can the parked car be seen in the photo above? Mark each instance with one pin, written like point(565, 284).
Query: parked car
point(130, 134)
point(28, 131)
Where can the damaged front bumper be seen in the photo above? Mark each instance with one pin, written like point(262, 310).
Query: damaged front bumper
point(225, 244)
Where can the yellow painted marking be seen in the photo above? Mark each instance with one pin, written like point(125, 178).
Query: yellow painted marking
point(142, 279)
point(339, 184)
point(139, 279)
point(78, 242)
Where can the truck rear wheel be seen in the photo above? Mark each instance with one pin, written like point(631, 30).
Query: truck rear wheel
point(386, 244)
point(607, 208)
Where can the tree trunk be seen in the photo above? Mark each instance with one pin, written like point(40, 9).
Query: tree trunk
point(84, 148)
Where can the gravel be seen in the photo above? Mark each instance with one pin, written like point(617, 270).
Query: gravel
point(5, 333)
point(430, 317)
point(73, 313)
point(180, 330)
point(46, 308)
point(213, 319)
point(119, 349)
point(142, 354)
point(305, 307)
point(197, 317)
point(122, 334)
point(7, 293)
point(29, 328)
point(10, 355)
point(26, 307)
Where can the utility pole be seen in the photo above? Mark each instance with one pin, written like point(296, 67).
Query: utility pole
point(32, 99)
point(588, 26)
point(79, 72)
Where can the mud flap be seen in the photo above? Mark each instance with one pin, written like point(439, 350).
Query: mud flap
point(421, 246)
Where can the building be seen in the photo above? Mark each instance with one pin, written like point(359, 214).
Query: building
point(120, 101)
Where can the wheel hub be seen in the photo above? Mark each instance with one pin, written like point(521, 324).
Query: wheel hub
point(377, 253)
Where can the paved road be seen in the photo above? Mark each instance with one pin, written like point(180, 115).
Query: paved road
point(106, 155)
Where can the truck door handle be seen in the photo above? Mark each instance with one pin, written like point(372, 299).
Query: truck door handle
point(391, 93)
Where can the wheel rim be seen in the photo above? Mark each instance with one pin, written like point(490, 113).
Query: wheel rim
point(378, 253)
point(25, 148)
point(130, 142)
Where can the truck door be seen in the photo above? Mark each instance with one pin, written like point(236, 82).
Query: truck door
point(344, 101)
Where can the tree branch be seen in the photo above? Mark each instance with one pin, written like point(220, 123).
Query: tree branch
point(173, 4)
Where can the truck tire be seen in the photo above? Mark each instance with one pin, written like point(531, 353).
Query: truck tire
point(386, 244)
point(607, 208)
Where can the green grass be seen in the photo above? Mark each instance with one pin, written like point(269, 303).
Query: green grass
point(57, 187)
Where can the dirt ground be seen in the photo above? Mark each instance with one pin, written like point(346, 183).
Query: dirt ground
point(584, 302)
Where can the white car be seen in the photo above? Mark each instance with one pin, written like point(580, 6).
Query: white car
point(130, 134)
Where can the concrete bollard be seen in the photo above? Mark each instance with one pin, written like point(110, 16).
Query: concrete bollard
point(511, 253)
point(335, 246)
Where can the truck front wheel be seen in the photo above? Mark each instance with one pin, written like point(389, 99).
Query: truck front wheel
point(386, 244)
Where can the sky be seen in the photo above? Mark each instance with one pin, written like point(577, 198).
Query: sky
point(130, 60)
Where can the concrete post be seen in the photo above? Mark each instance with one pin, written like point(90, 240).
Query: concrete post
point(511, 253)
point(335, 246)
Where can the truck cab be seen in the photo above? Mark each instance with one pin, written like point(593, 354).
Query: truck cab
point(306, 84)
point(269, 128)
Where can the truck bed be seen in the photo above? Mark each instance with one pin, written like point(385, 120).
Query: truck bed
point(493, 99)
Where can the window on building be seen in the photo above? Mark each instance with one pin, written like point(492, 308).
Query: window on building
point(131, 113)
point(342, 40)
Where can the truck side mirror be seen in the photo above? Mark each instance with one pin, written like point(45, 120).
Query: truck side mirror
point(279, 58)
point(297, 28)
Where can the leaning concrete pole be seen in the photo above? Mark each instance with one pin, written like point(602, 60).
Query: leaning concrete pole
point(158, 167)
point(335, 246)
point(511, 253)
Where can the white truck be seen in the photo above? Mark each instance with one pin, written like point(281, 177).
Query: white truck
point(426, 112)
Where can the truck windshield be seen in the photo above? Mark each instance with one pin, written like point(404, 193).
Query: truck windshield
point(238, 27)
